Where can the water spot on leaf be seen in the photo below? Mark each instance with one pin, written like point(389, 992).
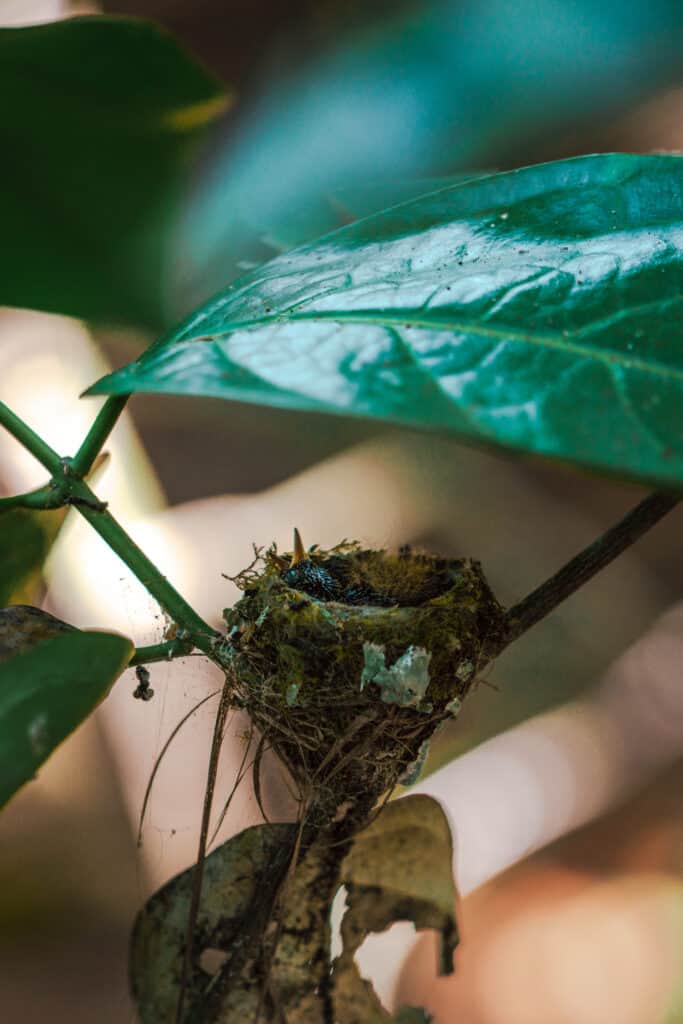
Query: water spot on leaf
point(39, 735)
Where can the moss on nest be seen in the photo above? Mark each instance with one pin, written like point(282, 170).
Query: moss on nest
point(348, 689)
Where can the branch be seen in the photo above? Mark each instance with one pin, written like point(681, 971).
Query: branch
point(30, 440)
point(105, 421)
point(66, 488)
point(540, 602)
point(87, 505)
point(178, 648)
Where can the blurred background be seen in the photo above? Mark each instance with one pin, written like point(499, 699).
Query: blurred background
point(591, 930)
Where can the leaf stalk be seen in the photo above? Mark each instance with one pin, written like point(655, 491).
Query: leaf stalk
point(95, 439)
point(167, 651)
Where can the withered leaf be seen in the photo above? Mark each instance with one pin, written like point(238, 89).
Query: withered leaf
point(400, 868)
point(240, 881)
point(22, 627)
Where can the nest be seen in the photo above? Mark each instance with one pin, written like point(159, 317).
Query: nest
point(347, 660)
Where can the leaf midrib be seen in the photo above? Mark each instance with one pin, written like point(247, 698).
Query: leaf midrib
point(560, 342)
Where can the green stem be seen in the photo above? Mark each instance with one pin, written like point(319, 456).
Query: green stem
point(82, 462)
point(30, 440)
point(87, 505)
point(41, 499)
point(161, 652)
point(66, 488)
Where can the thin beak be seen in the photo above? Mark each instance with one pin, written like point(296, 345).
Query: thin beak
point(299, 553)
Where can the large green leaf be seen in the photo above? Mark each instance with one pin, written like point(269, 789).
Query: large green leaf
point(323, 214)
point(51, 678)
point(538, 309)
point(99, 116)
point(445, 86)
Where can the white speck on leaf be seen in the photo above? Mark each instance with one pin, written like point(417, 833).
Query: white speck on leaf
point(291, 694)
point(38, 735)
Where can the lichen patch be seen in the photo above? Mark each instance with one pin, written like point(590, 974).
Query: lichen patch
point(405, 682)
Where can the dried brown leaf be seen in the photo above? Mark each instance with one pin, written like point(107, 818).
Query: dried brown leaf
point(240, 881)
point(399, 868)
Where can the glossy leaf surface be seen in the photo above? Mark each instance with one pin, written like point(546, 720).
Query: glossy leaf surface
point(99, 116)
point(56, 680)
point(538, 309)
point(323, 214)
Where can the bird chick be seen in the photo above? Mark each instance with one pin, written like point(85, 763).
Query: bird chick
point(365, 577)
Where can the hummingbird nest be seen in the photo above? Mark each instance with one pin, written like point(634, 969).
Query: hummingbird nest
point(347, 660)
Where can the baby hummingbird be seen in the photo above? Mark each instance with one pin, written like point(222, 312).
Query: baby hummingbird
point(336, 577)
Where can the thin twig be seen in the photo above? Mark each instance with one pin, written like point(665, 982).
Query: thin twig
point(104, 423)
point(27, 437)
point(166, 651)
point(216, 744)
point(67, 488)
point(241, 772)
point(256, 776)
point(540, 602)
point(161, 756)
point(278, 902)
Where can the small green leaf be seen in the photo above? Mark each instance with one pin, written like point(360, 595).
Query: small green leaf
point(400, 868)
point(29, 525)
point(234, 905)
point(538, 309)
point(52, 676)
point(25, 540)
point(99, 118)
